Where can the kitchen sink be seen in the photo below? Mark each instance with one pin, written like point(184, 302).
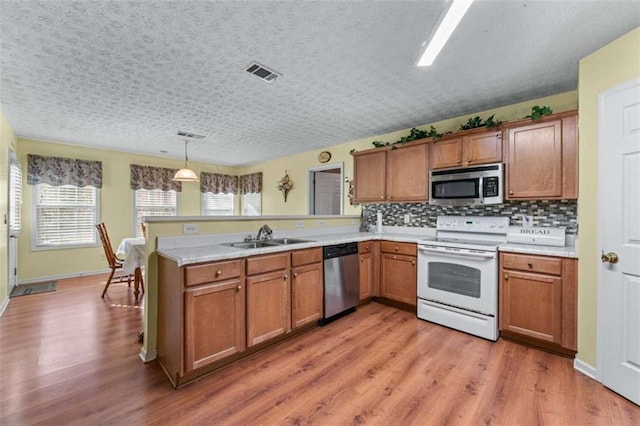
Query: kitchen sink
point(251, 244)
point(284, 241)
point(267, 243)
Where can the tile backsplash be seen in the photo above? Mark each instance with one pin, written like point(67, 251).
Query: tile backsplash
point(555, 213)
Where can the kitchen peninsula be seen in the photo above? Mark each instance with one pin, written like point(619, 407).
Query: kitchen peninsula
point(188, 273)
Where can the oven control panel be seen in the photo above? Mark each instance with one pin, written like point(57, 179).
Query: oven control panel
point(488, 224)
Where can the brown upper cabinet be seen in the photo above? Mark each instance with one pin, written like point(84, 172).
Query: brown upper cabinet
point(387, 174)
point(542, 160)
point(478, 147)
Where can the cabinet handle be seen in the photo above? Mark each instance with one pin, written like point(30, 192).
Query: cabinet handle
point(506, 276)
point(396, 247)
point(218, 273)
point(295, 274)
point(510, 192)
point(413, 262)
point(459, 161)
point(285, 277)
point(239, 287)
point(382, 197)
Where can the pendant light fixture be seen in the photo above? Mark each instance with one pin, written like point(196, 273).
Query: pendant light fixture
point(185, 174)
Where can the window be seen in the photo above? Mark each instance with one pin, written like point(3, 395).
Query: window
point(153, 202)
point(218, 204)
point(252, 204)
point(65, 215)
point(15, 196)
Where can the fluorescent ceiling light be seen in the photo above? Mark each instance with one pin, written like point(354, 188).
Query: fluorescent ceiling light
point(451, 20)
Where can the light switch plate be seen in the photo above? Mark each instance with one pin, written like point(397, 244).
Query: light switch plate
point(189, 228)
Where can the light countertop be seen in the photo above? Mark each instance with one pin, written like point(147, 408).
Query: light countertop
point(214, 251)
point(567, 251)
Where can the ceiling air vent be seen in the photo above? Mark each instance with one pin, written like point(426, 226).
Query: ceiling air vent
point(189, 135)
point(262, 72)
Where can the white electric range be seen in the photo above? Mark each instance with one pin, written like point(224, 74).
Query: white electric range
point(458, 274)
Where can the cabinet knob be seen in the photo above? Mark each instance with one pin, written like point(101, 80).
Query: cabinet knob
point(396, 248)
point(218, 273)
point(382, 197)
point(285, 277)
point(295, 274)
point(362, 259)
point(510, 192)
point(239, 287)
point(413, 262)
point(506, 276)
point(530, 264)
point(459, 161)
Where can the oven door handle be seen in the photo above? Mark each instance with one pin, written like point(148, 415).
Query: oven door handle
point(458, 254)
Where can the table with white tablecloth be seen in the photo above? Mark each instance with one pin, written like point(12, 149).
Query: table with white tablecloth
point(134, 253)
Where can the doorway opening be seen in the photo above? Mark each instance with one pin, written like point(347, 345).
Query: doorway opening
point(326, 195)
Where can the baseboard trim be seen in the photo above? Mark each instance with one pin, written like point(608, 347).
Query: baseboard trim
point(585, 369)
point(147, 356)
point(63, 276)
point(4, 305)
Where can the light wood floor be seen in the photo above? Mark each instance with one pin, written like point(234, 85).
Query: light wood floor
point(69, 357)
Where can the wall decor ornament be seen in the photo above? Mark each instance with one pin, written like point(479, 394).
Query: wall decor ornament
point(285, 184)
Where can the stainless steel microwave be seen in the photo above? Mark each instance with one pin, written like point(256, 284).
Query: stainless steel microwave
point(466, 186)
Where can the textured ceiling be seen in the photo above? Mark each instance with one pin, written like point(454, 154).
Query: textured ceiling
point(127, 75)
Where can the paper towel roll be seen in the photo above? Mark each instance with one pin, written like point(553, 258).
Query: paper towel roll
point(378, 222)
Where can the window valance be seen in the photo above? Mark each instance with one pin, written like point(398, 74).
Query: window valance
point(251, 184)
point(150, 177)
point(218, 183)
point(58, 171)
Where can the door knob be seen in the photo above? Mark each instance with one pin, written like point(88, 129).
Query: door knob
point(610, 257)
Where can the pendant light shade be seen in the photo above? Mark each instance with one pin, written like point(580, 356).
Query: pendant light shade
point(185, 174)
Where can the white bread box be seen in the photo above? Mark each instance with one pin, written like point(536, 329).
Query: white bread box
point(535, 235)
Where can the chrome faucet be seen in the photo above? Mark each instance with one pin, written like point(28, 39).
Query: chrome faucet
point(268, 233)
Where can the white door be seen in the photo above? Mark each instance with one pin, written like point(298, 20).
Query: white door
point(327, 193)
point(619, 228)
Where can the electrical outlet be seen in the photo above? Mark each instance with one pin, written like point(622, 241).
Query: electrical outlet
point(299, 224)
point(189, 228)
point(407, 218)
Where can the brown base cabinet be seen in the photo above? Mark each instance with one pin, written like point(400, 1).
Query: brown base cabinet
point(538, 300)
point(367, 254)
point(307, 287)
point(398, 272)
point(201, 315)
point(214, 313)
point(214, 323)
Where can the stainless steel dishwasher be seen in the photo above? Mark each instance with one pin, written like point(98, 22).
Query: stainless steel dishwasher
point(341, 280)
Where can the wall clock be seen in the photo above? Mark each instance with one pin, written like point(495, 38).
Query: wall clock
point(324, 156)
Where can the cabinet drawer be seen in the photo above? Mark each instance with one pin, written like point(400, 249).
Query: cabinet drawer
point(545, 265)
point(305, 257)
point(272, 262)
point(398, 248)
point(365, 247)
point(212, 272)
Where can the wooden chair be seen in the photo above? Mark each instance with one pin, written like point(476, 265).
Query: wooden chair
point(114, 261)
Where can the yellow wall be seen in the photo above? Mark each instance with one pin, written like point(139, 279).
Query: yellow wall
point(7, 141)
point(116, 207)
point(612, 65)
point(298, 165)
